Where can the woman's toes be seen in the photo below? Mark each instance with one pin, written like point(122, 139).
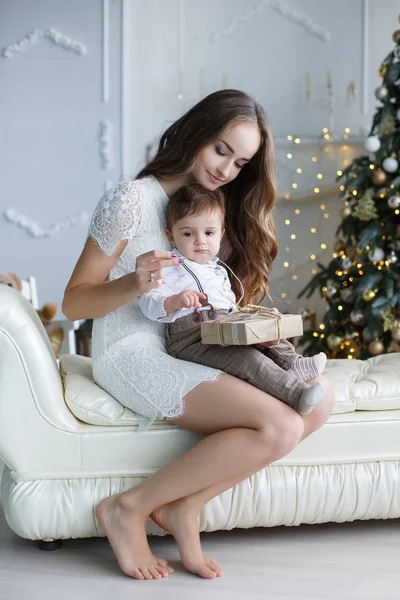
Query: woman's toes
point(137, 574)
point(162, 571)
point(146, 573)
point(163, 564)
point(211, 564)
point(153, 571)
point(207, 573)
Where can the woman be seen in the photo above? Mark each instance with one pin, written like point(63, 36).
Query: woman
point(222, 142)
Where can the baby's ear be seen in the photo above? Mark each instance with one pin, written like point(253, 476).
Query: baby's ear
point(169, 236)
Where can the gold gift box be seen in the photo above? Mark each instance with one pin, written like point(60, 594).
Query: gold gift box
point(248, 329)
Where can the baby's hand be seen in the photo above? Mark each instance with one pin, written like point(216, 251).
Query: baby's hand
point(185, 299)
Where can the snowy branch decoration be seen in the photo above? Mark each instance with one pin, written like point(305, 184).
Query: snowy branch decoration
point(281, 6)
point(34, 37)
point(33, 229)
point(105, 144)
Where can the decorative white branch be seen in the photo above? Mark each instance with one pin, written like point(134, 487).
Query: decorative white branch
point(34, 37)
point(105, 144)
point(35, 230)
point(281, 6)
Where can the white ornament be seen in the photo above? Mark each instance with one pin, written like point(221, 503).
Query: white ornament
point(105, 144)
point(381, 93)
point(33, 37)
point(34, 229)
point(376, 255)
point(394, 201)
point(372, 143)
point(390, 164)
point(286, 11)
point(356, 317)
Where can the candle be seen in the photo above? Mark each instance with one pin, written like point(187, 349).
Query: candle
point(308, 84)
point(329, 78)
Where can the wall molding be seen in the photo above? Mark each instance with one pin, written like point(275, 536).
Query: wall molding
point(33, 37)
point(284, 8)
point(105, 144)
point(33, 229)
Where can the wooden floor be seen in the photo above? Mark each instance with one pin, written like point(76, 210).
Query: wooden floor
point(324, 562)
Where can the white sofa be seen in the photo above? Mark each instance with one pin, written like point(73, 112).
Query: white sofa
point(67, 444)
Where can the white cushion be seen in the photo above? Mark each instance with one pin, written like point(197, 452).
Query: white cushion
point(89, 402)
point(373, 384)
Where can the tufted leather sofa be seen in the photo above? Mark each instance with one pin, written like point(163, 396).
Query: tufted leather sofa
point(67, 444)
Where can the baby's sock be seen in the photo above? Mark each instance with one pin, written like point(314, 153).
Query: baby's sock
point(309, 398)
point(306, 368)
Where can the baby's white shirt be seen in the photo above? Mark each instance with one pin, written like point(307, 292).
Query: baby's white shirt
point(213, 279)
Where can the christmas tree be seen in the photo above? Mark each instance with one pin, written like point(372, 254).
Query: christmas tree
point(361, 285)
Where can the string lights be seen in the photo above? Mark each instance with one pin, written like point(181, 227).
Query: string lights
point(290, 270)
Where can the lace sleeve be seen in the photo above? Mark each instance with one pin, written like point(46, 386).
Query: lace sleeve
point(117, 216)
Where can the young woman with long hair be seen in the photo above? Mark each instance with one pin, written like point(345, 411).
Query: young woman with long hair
point(223, 142)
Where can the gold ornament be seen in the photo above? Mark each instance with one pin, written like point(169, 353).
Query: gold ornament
point(382, 70)
point(387, 125)
point(396, 334)
point(379, 177)
point(334, 341)
point(388, 319)
point(396, 36)
point(369, 295)
point(376, 347)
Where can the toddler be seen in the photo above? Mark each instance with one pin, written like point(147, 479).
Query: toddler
point(199, 289)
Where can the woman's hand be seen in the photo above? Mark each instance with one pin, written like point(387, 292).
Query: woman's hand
point(148, 273)
point(185, 299)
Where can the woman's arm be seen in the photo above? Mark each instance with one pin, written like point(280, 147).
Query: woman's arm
point(88, 295)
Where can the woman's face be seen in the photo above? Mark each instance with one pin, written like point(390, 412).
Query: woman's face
point(220, 162)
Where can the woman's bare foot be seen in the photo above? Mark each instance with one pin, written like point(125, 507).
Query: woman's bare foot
point(178, 519)
point(126, 533)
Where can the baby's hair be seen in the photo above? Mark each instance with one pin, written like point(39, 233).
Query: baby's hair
point(194, 199)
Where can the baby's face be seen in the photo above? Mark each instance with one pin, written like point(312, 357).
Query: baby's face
point(198, 237)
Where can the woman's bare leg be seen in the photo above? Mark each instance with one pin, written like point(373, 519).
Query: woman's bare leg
point(246, 430)
point(180, 517)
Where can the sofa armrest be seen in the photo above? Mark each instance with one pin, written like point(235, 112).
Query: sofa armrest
point(36, 426)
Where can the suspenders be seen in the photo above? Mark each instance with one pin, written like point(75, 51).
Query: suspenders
point(205, 302)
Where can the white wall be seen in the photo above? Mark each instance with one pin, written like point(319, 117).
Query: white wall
point(51, 106)
point(267, 55)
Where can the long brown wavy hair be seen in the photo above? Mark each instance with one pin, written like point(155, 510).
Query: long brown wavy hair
point(250, 198)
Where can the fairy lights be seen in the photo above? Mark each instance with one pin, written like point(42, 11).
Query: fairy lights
point(317, 250)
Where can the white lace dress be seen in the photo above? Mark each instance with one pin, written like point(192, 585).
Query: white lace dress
point(129, 357)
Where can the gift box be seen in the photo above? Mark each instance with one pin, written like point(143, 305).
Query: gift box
point(244, 329)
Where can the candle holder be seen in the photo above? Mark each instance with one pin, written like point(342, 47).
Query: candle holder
point(330, 102)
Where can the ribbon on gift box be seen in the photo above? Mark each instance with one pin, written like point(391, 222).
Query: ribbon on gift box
point(241, 314)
